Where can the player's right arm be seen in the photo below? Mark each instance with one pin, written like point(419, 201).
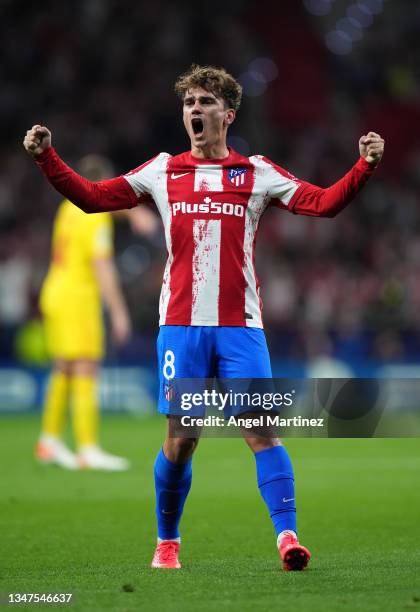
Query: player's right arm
point(91, 197)
point(109, 286)
point(98, 249)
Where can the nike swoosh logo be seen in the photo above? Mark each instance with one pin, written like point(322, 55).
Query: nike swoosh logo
point(169, 511)
point(287, 500)
point(177, 176)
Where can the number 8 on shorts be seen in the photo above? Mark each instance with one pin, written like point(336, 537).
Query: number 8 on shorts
point(169, 365)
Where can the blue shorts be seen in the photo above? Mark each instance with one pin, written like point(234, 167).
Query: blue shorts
point(209, 352)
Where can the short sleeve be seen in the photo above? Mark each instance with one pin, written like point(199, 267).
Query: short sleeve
point(100, 236)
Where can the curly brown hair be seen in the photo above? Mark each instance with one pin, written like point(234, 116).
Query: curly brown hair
point(216, 80)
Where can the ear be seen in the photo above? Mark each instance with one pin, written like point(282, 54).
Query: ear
point(229, 116)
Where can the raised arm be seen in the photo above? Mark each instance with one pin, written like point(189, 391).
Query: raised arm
point(91, 197)
point(318, 202)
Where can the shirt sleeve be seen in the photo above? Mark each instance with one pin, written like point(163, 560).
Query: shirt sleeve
point(303, 198)
point(102, 244)
point(99, 236)
point(327, 202)
point(91, 197)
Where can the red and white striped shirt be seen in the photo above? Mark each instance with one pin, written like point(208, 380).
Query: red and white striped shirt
point(211, 210)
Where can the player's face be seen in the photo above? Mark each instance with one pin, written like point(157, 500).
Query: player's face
point(206, 117)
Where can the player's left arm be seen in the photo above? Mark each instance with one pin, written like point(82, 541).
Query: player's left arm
point(316, 201)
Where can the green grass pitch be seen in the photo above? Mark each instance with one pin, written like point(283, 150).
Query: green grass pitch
point(93, 534)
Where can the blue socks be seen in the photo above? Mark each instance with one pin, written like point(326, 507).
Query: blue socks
point(172, 485)
point(275, 482)
point(276, 485)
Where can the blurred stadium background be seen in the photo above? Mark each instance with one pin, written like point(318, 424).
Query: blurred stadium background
point(316, 75)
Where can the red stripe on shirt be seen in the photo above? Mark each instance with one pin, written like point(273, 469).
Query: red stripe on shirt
point(181, 275)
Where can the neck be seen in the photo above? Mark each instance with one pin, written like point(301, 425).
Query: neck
point(214, 151)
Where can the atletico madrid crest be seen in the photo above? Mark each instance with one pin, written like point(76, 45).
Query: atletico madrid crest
point(169, 392)
point(237, 176)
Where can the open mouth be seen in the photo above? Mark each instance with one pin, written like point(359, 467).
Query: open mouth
point(197, 125)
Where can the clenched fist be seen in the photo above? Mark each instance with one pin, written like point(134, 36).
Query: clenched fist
point(37, 139)
point(371, 147)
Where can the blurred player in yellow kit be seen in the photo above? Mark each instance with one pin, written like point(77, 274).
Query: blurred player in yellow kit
point(81, 276)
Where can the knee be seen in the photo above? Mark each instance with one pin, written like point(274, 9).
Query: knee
point(259, 443)
point(179, 450)
point(183, 445)
point(63, 367)
point(85, 367)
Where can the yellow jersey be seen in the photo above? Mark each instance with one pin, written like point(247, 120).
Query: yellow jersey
point(78, 238)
